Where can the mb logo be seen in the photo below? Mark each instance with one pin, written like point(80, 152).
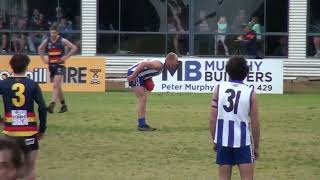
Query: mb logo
point(191, 71)
point(95, 76)
point(198, 70)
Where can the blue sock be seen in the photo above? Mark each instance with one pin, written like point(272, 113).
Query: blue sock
point(142, 121)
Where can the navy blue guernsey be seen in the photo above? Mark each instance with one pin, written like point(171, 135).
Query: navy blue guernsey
point(55, 50)
point(19, 95)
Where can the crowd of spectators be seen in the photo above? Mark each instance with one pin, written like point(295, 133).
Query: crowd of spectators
point(24, 34)
point(239, 34)
point(242, 36)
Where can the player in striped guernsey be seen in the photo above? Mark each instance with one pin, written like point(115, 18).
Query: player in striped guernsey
point(19, 94)
point(234, 112)
point(140, 79)
point(56, 58)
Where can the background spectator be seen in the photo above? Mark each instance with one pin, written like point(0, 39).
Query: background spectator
point(35, 16)
point(240, 20)
point(171, 25)
point(255, 26)
point(59, 13)
point(24, 24)
point(203, 26)
point(65, 26)
point(18, 38)
point(249, 41)
point(204, 42)
point(3, 35)
point(35, 38)
point(221, 37)
point(316, 42)
point(178, 20)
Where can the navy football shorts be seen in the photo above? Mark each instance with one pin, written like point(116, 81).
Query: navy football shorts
point(27, 143)
point(56, 69)
point(234, 156)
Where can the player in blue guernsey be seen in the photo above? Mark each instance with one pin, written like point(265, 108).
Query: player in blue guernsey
point(234, 114)
point(139, 78)
point(20, 123)
point(55, 46)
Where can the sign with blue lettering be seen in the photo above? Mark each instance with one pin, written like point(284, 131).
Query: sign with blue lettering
point(201, 75)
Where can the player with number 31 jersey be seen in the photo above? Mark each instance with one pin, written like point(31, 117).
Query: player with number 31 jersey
point(233, 128)
point(234, 113)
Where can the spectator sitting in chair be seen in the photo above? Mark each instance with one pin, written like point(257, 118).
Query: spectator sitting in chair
point(18, 39)
point(249, 41)
point(65, 26)
point(37, 37)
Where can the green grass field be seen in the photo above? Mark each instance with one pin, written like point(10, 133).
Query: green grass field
point(97, 138)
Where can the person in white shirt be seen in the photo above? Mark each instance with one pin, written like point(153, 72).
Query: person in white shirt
point(234, 114)
point(221, 37)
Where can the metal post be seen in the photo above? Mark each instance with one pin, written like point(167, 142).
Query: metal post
point(191, 27)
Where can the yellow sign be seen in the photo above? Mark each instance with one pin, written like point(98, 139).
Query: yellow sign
point(83, 74)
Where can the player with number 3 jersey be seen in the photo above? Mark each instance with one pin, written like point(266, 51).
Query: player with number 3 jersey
point(20, 123)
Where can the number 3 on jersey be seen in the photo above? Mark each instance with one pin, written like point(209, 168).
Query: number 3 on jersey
point(19, 99)
point(233, 104)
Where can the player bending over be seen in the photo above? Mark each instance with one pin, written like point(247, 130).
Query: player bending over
point(140, 79)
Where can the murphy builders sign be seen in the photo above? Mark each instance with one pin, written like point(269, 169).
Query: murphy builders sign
point(201, 75)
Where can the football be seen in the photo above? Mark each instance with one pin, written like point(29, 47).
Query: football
point(148, 84)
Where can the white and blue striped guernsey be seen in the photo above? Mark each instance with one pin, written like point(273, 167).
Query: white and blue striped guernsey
point(233, 120)
point(147, 73)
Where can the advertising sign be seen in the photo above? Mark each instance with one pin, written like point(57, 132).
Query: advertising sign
point(201, 75)
point(83, 74)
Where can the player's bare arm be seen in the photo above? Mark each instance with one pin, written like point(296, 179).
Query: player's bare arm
point(72, 47)
point(145, 64)
point(213, 116)
point(255, 124)
point(41, 51)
